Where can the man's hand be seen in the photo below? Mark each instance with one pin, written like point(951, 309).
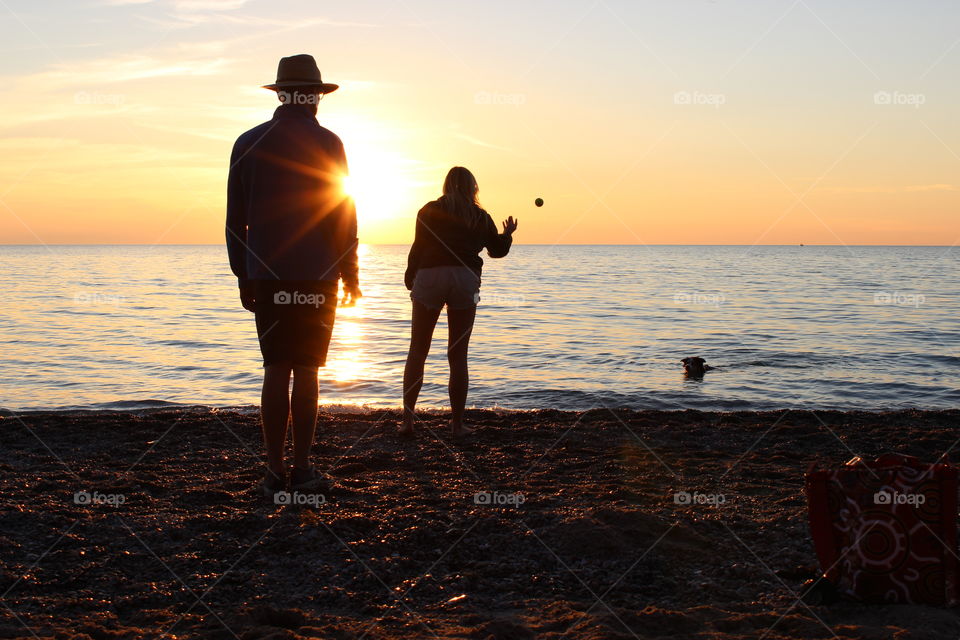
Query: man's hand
point(247, 298)
point(509, 226)
point(351, 293)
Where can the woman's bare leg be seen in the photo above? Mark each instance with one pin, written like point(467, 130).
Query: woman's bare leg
point(460, 323)
point(421, 334)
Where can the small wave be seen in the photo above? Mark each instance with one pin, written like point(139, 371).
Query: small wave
point(129, 406)
point(147, 403)
point(193, 344)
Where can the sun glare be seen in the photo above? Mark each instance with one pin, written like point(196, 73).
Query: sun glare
point(375, 185)
point(378, 180)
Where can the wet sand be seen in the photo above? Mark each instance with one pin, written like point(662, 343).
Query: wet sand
point(582, 528)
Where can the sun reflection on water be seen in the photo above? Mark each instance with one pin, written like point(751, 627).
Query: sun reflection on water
point(348, 362)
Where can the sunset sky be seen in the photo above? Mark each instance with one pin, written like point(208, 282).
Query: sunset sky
point(638, 122)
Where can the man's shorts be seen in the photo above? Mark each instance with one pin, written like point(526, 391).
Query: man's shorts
point(295, 320)
point(456, 287)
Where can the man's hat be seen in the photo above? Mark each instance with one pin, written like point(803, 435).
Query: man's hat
point(300, 71)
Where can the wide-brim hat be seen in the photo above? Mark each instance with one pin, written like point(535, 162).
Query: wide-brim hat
point(300, 71)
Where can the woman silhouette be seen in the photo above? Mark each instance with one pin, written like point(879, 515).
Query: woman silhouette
point(443, 268)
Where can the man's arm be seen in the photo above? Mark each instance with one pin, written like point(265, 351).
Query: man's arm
point(236, 229)
point(347, 217)
point(349, 264)
point(236, 219)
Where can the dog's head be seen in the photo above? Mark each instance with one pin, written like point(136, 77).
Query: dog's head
point(694, 366)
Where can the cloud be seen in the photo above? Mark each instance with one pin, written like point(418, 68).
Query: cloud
point(189, 13)
point(108, 86)
point(32, 144)
point(932, 187)
point(194, 16)
point(184, 13)
point(914, 188)
point(189, 6)
point(78, 156)
point(480, 143)
point(123, 68)
point(185, 6)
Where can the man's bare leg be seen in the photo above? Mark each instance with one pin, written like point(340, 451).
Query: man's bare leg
point(275, 412)
point(304, 409)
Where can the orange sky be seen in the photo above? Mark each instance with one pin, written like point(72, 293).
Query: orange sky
point(637, 122)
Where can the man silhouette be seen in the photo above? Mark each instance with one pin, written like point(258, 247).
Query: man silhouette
point(291, 235)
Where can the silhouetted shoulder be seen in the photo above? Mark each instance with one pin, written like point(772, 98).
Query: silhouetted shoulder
point(249, 138)
point(488, 219)
point(431, 207)
point(331, 144)
point(330, 136)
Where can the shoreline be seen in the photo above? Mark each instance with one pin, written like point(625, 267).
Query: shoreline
point(597, 547)
point(362, 409)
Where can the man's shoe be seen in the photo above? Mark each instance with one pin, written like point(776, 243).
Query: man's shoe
point(273, 484)
point(308, 481)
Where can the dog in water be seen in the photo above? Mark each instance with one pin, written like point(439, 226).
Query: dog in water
point(695, 367)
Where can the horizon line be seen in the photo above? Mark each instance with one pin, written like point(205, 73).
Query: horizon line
point(527, 244)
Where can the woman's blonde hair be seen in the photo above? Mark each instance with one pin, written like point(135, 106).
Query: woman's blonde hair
point(460, 191)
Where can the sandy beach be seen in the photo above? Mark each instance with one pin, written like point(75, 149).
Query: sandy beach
point(599, 524)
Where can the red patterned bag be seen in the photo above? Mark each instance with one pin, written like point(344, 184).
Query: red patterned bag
point(886, 530)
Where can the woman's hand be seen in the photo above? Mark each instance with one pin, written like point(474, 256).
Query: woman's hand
point(509, 226)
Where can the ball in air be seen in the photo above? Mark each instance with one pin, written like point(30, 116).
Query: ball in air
point(538, 202)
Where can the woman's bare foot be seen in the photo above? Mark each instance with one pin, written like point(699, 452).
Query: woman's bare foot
point(406, 427)
point(459, 430)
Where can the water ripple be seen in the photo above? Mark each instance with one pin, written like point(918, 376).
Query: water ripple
point(566, 327)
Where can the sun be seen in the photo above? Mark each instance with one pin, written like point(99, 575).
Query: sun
point(376, 184)
point(379, 180)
